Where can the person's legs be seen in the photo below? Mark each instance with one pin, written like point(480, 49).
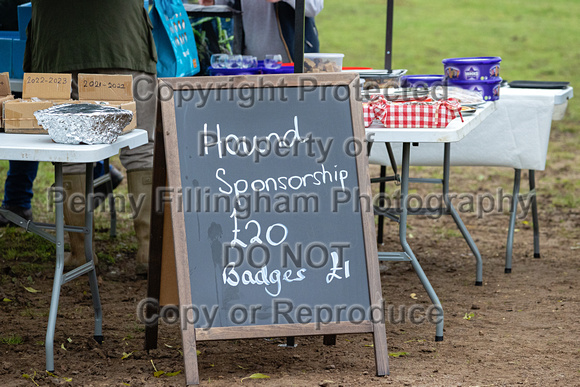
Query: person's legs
point(18, 189)
point(138, 162)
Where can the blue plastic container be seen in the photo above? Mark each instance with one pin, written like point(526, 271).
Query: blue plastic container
point(248, 71)
point(281, 70)
point(424, 81)
point(9, 35)
point(24, 16)
point(6, 56)
point(286, 69)
point(478, 68)
point(18, 47)
point(489, 88)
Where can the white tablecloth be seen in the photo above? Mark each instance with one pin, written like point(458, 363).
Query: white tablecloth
point(516, 135)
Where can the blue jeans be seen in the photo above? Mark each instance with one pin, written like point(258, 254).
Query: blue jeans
point(18, 185)
point(20, 179)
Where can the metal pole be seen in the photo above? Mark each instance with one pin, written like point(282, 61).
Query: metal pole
point(299, 37)
point(389, 37)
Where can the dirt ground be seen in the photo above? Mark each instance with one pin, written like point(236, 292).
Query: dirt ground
point(517, 329)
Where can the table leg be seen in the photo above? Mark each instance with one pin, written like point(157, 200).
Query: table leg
point(403, 238)
point(381, 224)
point(513, 209)
point(457, 218)
point(89, 212)
point(58, 271)
point(536, 224)
point(111, 197)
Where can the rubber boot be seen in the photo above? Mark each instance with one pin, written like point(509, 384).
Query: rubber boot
point(140, 184)
point(75, 184)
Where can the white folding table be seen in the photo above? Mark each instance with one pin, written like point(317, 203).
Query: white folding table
point(38, 147)
point(516, 135)
point(456, 131)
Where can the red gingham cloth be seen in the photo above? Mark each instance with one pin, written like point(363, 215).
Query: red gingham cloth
point(411, 114)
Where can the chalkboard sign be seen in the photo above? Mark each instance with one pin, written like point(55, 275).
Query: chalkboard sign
point(271, 210)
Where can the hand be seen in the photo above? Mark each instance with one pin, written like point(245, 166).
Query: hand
point(206, 2)
point(272, 1)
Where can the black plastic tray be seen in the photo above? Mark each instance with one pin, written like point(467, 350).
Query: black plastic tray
point(538, 85)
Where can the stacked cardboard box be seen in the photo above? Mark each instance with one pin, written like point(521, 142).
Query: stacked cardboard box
point(111, 90)
point(5, 95)
point(39, 91)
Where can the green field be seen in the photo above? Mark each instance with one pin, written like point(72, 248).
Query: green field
point(537, 40)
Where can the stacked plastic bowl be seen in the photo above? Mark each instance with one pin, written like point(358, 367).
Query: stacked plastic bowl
point(479, 74)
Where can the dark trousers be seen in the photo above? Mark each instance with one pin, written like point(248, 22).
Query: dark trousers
point(18, 185)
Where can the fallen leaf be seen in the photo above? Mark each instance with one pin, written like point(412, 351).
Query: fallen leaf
point(126, 355)
point(414, 296)
point(62, 346)
point(198, 352)
point(244, 368)
point(369, 345)
point(26, 376)
point(168, 346)
point(158, 374)
point(173, 373)
point(69, 340)
point(7, 299)
point(256, 376)
point(398, 354)
point(469, 316)
point(31, 290)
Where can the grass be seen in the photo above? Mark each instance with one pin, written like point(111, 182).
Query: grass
point(12, 340)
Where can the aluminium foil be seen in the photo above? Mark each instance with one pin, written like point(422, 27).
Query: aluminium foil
point(84, 123)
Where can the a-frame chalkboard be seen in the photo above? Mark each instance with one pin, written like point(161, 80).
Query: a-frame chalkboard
point(271, 209)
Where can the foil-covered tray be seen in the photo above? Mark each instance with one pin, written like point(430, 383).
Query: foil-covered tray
point(83, 123)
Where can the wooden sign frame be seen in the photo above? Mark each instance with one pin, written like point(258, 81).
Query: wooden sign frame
point(374, 325)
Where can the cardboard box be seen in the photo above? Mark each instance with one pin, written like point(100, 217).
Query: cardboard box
point(19, 116)
point(39, 91)
point(5, 95)
point(46, 86)
point(112, 90)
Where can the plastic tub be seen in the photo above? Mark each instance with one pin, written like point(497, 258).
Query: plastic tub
point(424, 81)
point(375, 80)
point(472, 69)
point(286, 68)
point(322, 63)
point(489, 88)
point(226, 71)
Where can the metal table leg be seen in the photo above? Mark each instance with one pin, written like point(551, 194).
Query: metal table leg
point(457, 219)
point(87, 268)
point(513, 210)
point(59, 222)
point(89, 212)
point(408, 252)
point(536, 224)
